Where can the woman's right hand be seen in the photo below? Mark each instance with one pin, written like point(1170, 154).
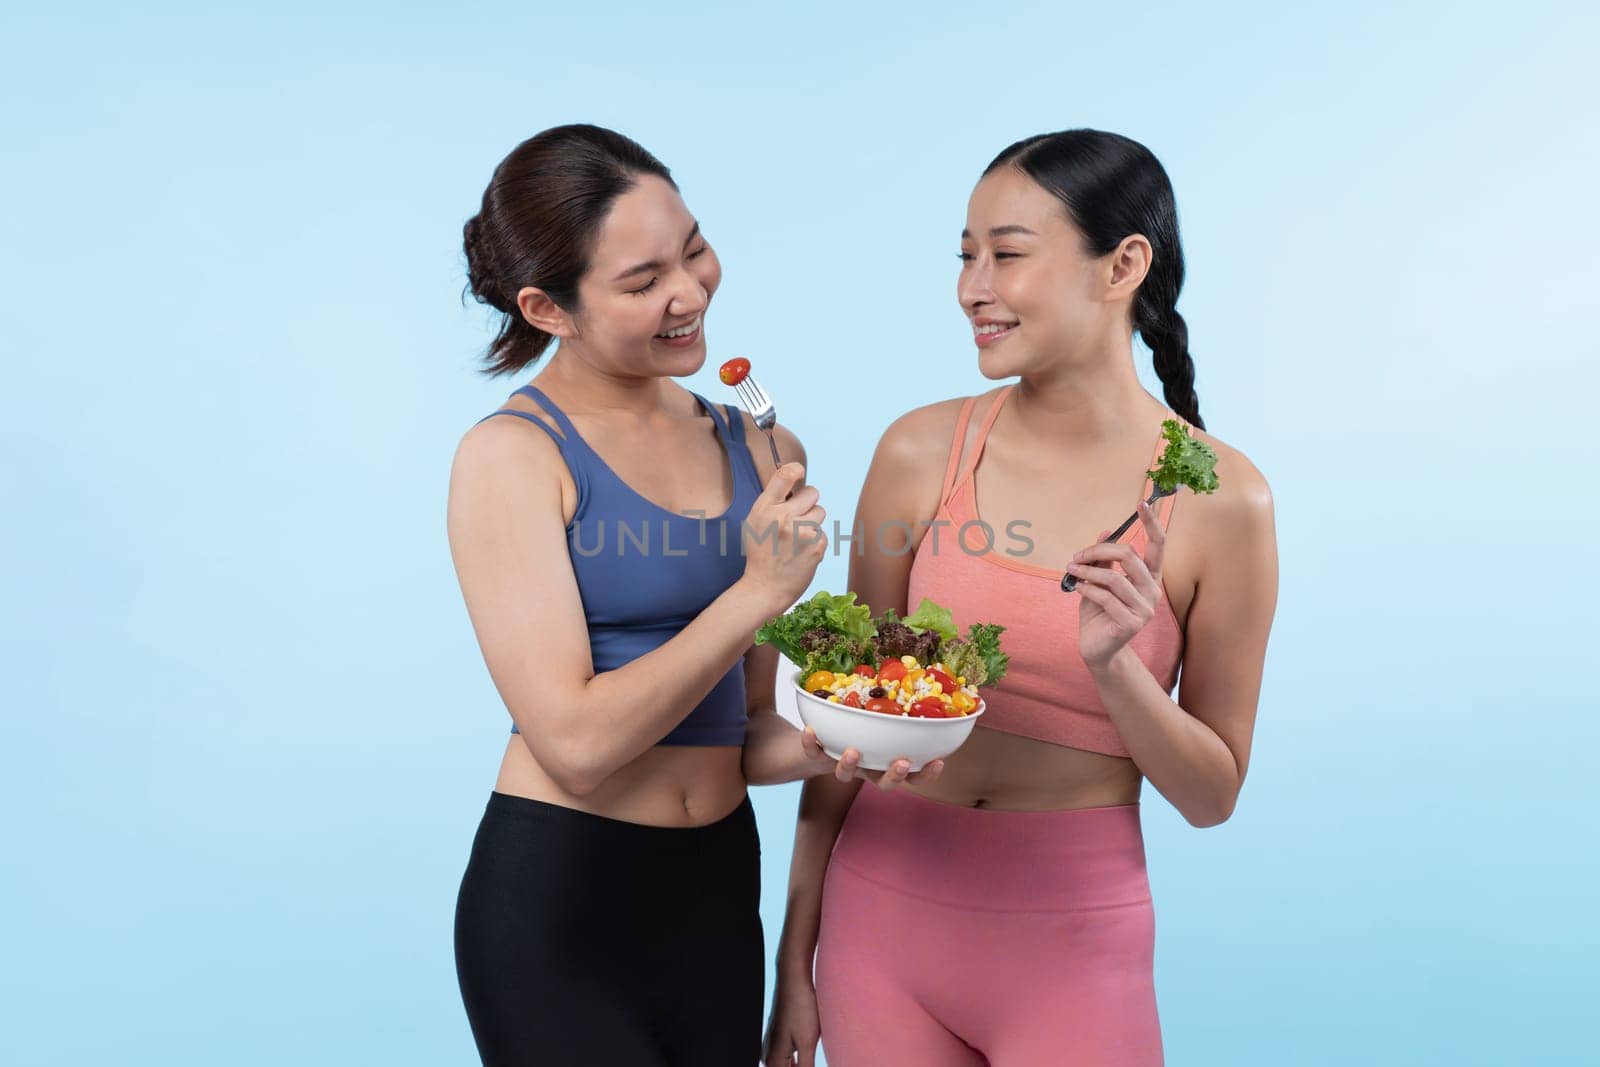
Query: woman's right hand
point(795, 1027)
point(782, 538)
point(848, 767)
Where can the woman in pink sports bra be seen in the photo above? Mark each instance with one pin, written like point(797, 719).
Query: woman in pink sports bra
point(998, 913)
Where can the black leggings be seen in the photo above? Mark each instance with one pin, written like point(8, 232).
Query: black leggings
point(582, 940)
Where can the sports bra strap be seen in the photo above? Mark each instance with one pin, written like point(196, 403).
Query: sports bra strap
point(735, 423)
point(955, 448)
point(536, 420)
point(983, 435)
point(537, 396)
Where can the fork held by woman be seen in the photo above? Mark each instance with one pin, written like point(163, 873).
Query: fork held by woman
point(759, 405)
point(1069, 582)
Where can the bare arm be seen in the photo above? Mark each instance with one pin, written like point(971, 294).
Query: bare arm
point(901, 492)
point(508, 540)
point(1196, 751)
point(772, 750)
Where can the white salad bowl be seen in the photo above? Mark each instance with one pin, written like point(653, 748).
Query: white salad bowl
point(879, 737)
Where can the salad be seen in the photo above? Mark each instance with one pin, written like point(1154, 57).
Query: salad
point(1187, 461)
point(918, 666)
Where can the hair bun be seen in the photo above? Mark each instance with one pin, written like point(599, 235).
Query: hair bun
point(480, 267)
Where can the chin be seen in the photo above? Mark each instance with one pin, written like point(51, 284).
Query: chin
point(670, 364)
point(998, 366)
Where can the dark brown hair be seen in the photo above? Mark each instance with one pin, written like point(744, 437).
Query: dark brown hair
point(537, 226)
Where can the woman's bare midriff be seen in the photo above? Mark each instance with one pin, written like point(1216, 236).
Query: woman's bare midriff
point(1006, 772)
point(673, 786)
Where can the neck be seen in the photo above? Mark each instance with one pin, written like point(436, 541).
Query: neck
point(586, 387)
point(1084, 402)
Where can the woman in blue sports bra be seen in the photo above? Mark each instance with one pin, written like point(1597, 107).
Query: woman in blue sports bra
point(608, 912)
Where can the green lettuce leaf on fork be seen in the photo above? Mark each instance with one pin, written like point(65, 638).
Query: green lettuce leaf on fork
point(1187, 461)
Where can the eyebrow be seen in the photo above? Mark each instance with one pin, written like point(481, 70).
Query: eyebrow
point(656, 264)
point(1001, 231)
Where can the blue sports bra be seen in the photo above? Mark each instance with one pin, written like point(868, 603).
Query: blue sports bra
point(645, 572)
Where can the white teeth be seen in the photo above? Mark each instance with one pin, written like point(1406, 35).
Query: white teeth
point(980, 330)
point(684, 331)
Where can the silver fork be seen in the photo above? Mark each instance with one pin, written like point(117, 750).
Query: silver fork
point(1069, 582)
point(759, 405)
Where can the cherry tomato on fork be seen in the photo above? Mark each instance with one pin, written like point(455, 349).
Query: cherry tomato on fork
point(734, 371)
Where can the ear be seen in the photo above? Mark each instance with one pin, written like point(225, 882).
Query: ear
point(1129, 263)
point(542, 313)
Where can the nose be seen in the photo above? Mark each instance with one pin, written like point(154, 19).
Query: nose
point(973, 287)
point(689, 297)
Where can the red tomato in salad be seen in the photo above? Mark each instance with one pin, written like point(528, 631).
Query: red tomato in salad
point(851, 700)
point(928, 708)
point(866, 670)
point(883, 704)
point(734, 371)
point(892, 670)
point(947, 682)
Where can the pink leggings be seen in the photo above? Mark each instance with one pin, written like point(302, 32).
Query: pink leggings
point(957, 937)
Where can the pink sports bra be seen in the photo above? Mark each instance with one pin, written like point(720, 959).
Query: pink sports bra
point(1047, 693)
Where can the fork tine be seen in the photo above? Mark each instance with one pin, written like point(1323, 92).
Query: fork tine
point(757, 393)
point(759, 405)
point(744, 396)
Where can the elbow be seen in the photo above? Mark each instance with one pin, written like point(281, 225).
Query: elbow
point(1213, 813)
point(577, 774)
point(750, 769)
point(580, 784)
point(1206, 820)
point(569, 765)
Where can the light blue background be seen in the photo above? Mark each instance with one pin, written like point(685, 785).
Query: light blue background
point(247, 733)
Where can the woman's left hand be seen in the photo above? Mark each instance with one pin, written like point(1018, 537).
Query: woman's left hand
point(1116, 604)
point(849, 769)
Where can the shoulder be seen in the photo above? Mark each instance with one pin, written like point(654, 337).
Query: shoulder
point(922, 437)
point(510, 457)
point(1242, 505)
point(507, 441)
point(907, 473)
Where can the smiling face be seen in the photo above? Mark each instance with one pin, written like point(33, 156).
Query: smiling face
point(651, 276)
point(1037, 299)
